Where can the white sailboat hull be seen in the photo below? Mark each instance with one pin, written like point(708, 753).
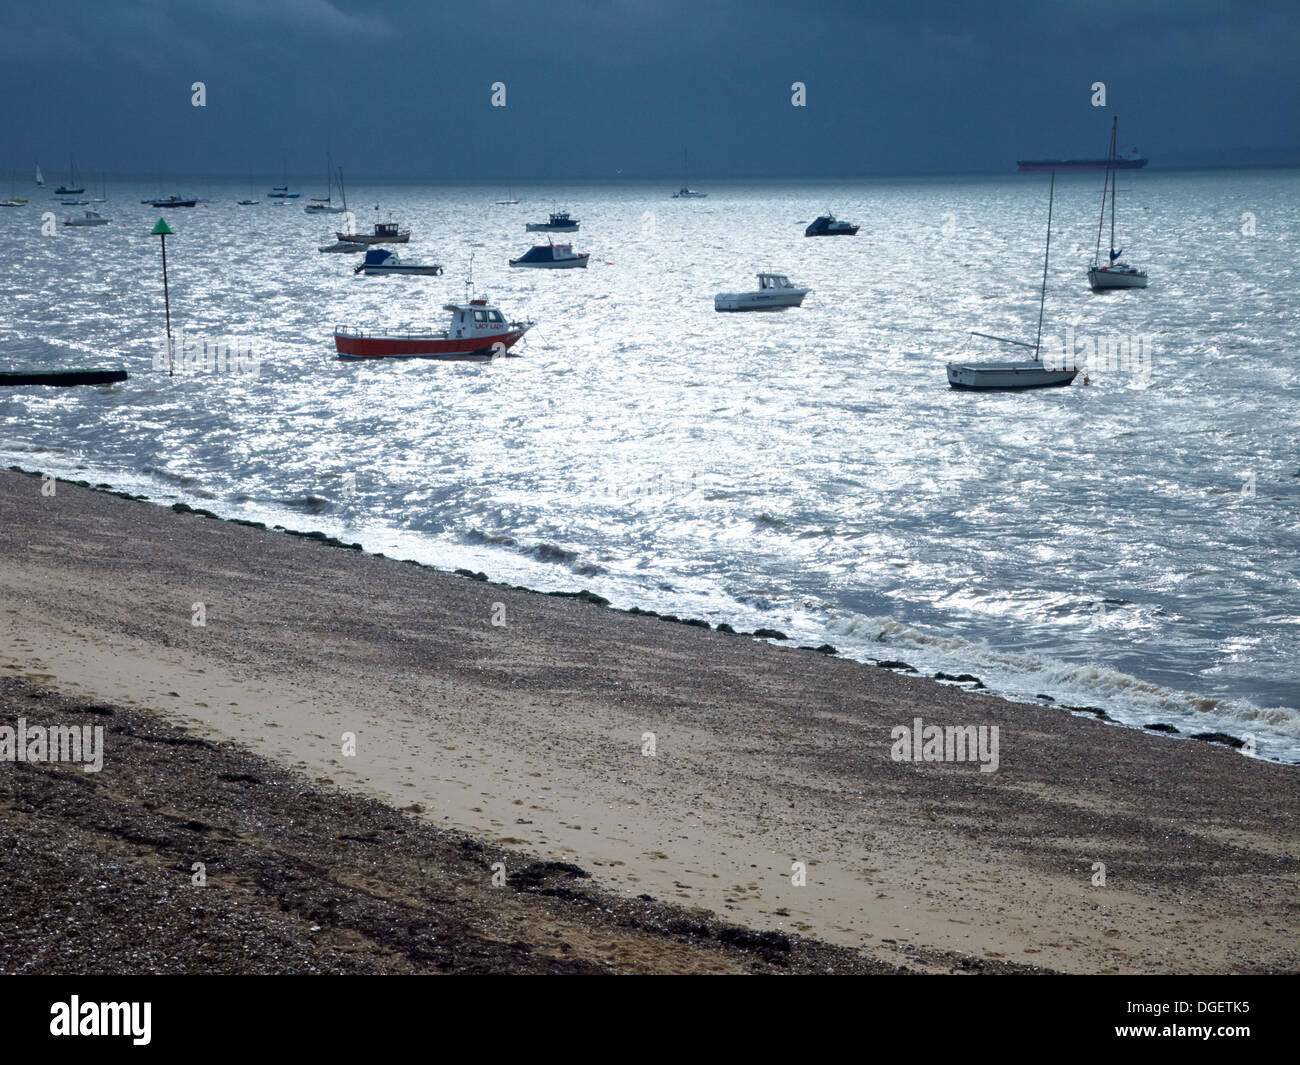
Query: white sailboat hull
point(1006, 376)
point(1100, 278)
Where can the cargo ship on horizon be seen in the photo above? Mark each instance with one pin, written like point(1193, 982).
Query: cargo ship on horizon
point(1132, 161)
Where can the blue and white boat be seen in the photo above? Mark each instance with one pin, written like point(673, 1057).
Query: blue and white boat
point(552, 257)
point(830, 226)
point(383, 261)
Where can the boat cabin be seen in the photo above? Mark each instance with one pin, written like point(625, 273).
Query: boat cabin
point(773, 281)
point(475, 318)
point(386, 229)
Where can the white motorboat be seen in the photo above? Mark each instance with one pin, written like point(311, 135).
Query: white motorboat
point(383, 261)
point(775, 292)
point(552, 257)
point(88, 218)
point(1027, 373)
point(346, 246)
point(1114, 274)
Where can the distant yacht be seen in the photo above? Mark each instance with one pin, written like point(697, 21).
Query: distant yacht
point(559, 222)
point(509, 201)
point(281, 192)
point(40, 178)
point(552, 257)
point(327, 205)
point(828, 226)
point(686, 192)
point(775, 293)
point(1114, 274)
point(1015, 376)
point(171, 201)
point(73, 187)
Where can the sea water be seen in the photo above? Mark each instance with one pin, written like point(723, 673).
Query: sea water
point(1130, 543)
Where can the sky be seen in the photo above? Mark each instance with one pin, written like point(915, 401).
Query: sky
point(603, 88)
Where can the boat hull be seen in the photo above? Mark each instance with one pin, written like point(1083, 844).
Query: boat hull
point(1008, 378)
point(419, 271)
point(1101, 279)
point(759, 301)
point(1032, 165)
point(371, 238)
point(578, 262)
point(360, 346)
point(546, 227)
point(63, 378)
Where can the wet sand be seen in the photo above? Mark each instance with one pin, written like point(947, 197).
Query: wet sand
point(530, 737)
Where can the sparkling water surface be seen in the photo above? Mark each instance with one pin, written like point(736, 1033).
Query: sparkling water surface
point(1131, 543)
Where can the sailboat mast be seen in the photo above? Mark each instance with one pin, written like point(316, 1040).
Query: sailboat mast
point(1114, 140)
point(1042, 300)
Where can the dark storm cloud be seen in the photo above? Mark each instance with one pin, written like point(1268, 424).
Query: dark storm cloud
point(594, 88)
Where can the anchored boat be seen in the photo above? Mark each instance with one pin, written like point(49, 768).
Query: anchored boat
point(476, 331)
point(383, 261)
point(1015, 376)
point(384, 233)
point(829, 226)
point(775, 293)
point(171, 201)
point(326, 204)
point(1114, 274)
point(559, 222)
point(552, 257)
point(343, 246)
point(89, 218)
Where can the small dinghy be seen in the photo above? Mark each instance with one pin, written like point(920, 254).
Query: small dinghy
point(346, 246)
point(88, 218)
point(383, 261)
point(829, 226)
point(775, 293)
point(1016, 376)
point(552, 257)
point(559, 222)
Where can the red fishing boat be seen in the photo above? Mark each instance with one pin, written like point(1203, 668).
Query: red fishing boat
point(476, 331)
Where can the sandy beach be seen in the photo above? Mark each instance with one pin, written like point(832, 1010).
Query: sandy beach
point(691, 773)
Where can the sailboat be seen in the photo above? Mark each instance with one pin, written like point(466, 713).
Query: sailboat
point(103, 190)
point(13, 200)
point(1114, 274)
point(72, 188)
point(40, 178)
point(509, 201)
point(1029, 373)
point(686, 192)
point(326, 205)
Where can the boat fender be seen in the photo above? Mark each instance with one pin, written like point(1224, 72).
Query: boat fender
point(1087, 380)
